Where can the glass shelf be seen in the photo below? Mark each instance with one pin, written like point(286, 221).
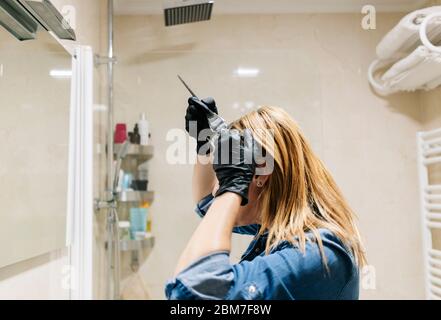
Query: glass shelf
point(137, 250)
point(138, 245)
point(136, 151)
point(136, 196)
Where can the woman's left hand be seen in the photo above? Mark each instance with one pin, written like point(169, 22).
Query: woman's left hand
point(234, 162)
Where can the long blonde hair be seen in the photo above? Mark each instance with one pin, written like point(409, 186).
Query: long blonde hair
point(300, 195)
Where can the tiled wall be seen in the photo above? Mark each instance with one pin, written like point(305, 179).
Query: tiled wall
point(313, 65)
point(431, 109)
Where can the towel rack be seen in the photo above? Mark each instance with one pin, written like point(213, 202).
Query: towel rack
point(429, 153)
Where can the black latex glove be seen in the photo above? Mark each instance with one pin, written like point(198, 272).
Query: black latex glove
point(234, 162)
point(198, 115)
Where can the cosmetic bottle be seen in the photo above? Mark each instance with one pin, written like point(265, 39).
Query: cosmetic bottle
point(120, 133)
point(138, 222)
point(124, 230)
point(127, 181)
point(141, 182)
point(146, 206)
point(135, 138)
point(143, 126)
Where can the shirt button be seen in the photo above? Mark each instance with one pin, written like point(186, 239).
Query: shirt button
point(251, 289)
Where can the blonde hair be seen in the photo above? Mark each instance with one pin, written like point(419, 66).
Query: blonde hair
point(300, 194)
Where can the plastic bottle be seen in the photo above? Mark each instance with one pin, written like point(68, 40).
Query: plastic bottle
point(146, 205)
point(124, 230)
point(120, 133)
point(135, 137)
point(143, 126)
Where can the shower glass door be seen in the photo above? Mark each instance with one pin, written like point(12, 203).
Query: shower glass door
point(35, 83)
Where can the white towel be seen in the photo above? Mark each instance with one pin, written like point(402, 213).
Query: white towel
point(420, 70)
point(404, 37)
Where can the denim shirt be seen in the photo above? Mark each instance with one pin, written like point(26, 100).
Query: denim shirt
point(284, 274)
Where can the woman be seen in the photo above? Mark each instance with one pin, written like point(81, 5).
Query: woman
point(306, 243)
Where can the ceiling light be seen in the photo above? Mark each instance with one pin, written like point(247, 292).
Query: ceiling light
point(247, 72)
point(61, 74)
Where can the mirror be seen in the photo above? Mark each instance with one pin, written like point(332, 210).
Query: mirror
point(35, 80)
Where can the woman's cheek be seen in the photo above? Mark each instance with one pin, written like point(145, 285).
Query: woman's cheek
point(246, 215)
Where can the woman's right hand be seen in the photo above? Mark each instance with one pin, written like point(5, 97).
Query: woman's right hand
point(196, 121)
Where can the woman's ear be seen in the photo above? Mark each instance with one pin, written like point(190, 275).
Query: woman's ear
point(261, 180)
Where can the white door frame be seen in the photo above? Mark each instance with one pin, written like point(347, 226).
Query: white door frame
point(79, 235)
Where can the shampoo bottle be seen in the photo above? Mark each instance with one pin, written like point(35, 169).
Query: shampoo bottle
point(143, 126)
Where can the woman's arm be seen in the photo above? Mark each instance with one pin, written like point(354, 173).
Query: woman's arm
point(197, 126)
point(212, 238)
point(204, 178)
point(214, 232)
